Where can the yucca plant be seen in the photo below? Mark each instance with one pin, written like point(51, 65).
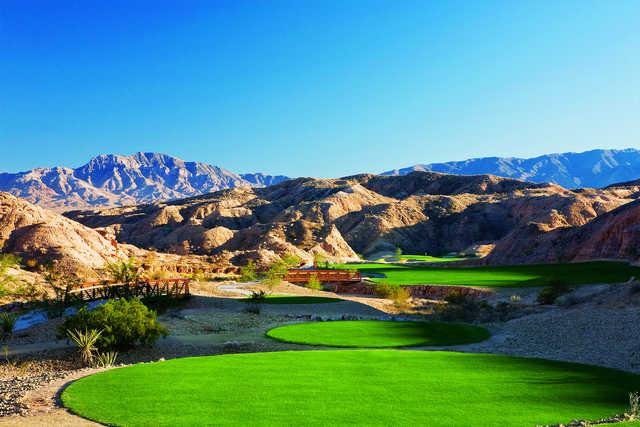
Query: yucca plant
point(634, 405)
point(7, 323)
point(86, 343)
point(106, 359)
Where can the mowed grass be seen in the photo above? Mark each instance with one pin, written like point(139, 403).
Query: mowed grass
point(378, 333)
point(295, 299)
point(507, 276)
point(363, 387)
point(429, 258)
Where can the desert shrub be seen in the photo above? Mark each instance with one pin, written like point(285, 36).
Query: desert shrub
point(252, 309)
point(7, 323)
point(398, 294)
point(248, 272)
point(456, 296)
point(549, 294)
point(462, 308)
point(314, 283)
point(161, 303)
point(124, 324)
point(257, 296)
point(385, 290)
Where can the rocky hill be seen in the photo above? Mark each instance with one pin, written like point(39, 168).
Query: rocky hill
point(114, 180)
point(36, 233)
point(612, 235)
point(421, 212)
point(596, 168)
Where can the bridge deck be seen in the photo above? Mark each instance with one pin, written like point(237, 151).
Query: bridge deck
point(324, 276)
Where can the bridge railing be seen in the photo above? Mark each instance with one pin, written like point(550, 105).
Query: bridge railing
point(93, 290)
point(303, 276)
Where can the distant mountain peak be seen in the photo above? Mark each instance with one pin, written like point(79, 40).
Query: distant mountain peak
point(116, 180)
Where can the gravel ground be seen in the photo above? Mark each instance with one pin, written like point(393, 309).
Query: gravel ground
point(602, 330)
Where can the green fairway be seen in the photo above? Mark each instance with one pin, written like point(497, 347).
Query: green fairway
point(295, 299)
point(508, 276)
point(364, 387)
point(378, 333)
point(429, 258)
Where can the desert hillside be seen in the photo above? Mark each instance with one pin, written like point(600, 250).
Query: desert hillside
point(35, 233)
point(422, 212)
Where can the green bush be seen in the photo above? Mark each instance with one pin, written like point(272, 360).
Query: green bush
point(257, 296)
point(123, 323)
point(248, 272)
point(549, 294)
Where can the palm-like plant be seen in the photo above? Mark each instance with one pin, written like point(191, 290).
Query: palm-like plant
point(86, 343)
point(123, 271)
point(106, 359)
point(7, 323)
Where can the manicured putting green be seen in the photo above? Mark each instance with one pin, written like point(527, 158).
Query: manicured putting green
point(378, 333)
point(363, 387)
point(506, 276)
point(295, 299)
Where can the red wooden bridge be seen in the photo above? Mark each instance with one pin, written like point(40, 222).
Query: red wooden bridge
point(89, 291)
point(323, 276)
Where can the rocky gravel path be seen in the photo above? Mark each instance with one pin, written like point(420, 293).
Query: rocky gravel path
point(597, 336)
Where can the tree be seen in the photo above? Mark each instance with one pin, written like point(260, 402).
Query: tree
point(291, 261)
point(319, 260)
point(7, 261)
point(248, 272)
point(314, 283)
point(398, 252)
point(123, 271)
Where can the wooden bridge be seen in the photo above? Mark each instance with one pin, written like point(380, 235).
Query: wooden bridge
point(323, 276)
point(90, 291)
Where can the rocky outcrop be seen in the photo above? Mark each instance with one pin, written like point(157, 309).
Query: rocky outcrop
point(114, 180)
point(35, 233)
point(422, 212)
point(612, 235)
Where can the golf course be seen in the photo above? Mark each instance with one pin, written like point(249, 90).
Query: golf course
point(502, 276)
point(365, 387)
point(376, 333)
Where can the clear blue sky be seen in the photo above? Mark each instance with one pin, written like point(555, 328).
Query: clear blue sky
point(322, 88)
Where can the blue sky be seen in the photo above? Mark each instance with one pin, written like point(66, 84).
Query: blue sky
point(315, 88)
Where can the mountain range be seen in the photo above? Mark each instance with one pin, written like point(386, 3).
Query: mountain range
point(110, 180)
point(594, 169)
point(115, 180)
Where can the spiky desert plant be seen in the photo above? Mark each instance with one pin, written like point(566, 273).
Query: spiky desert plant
point(86, 343)
point(106, 359)
point(7, 323)
point(634, 405)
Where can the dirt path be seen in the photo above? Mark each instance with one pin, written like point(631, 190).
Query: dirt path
point(45, 407)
